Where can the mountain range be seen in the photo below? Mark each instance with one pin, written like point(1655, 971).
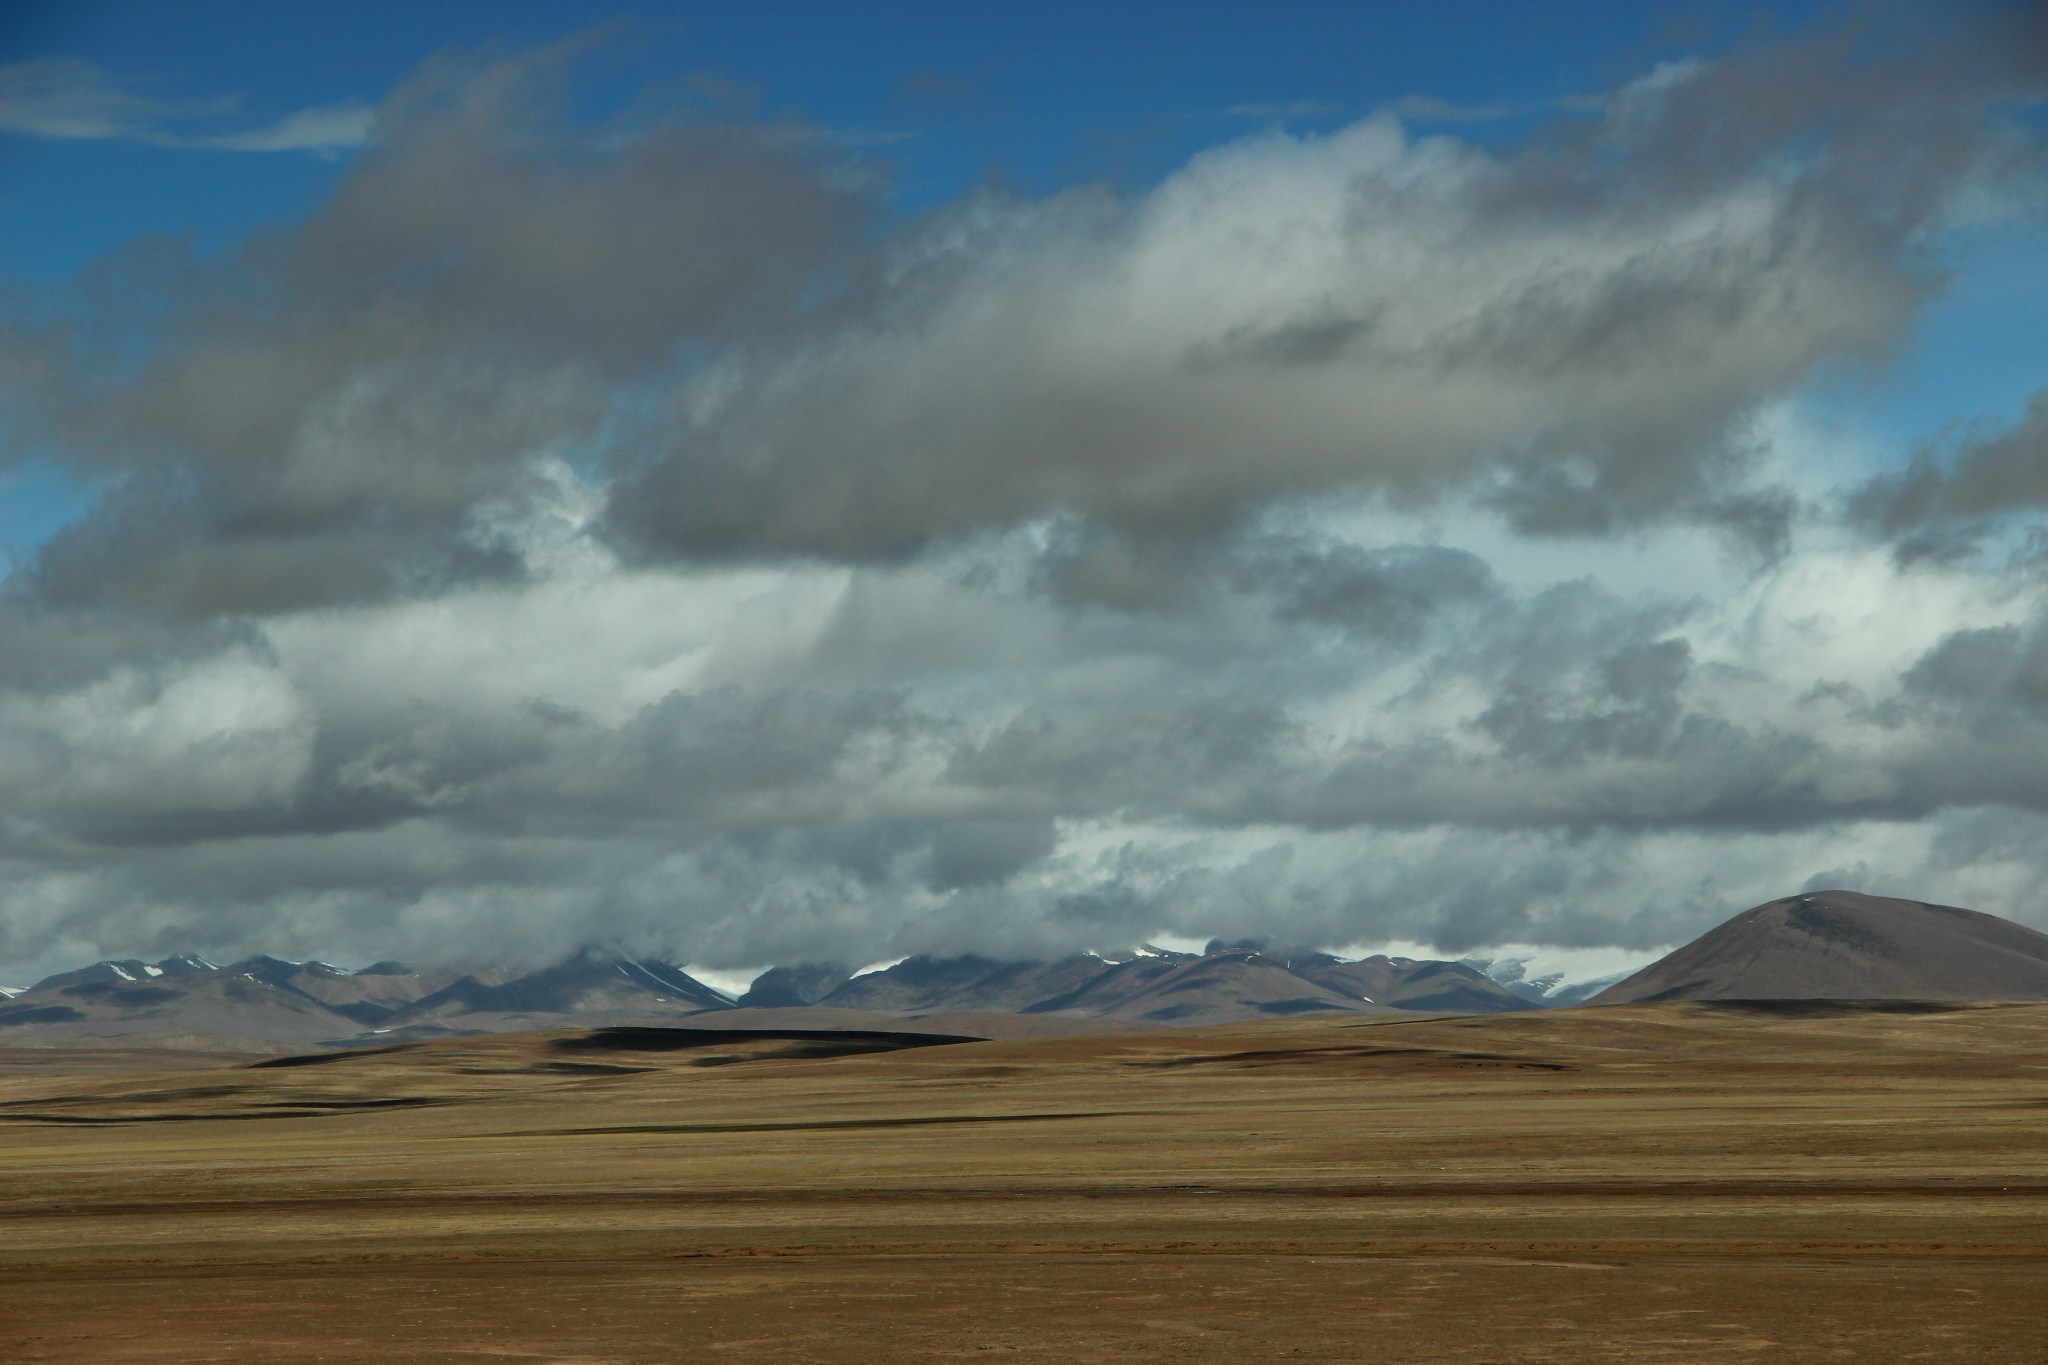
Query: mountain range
point(1820, 945)
point(265, 1000)
point(1147, 984)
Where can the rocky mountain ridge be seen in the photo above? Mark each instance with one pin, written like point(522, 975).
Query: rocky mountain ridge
point(1147, 984)
point(263, 1000)
point(1819, 945)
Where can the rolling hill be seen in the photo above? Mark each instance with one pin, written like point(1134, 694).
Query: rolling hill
point(1841, 945)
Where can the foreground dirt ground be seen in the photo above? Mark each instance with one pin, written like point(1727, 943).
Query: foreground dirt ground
point(1681, 1183)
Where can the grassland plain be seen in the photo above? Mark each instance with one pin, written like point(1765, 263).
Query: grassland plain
point(1662, 1182)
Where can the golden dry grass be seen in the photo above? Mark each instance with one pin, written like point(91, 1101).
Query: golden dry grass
point(1642, 1182)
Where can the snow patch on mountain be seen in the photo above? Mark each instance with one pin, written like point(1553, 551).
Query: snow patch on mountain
point(1557, 976)
point(732, 983)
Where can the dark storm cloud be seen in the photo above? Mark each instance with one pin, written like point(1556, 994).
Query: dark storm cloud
point(1393, 592)
point(157, 550)
point(1216, 755)
point(55, 648)
point(318, 417)
point(1979, 700)
point(1943, 507)
point(733, 758)
point(967, 853)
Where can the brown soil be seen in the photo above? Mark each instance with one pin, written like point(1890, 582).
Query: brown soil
point(1682, 1183)
point(1056, 1308)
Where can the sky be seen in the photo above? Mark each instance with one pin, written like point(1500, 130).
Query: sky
point(795, 482)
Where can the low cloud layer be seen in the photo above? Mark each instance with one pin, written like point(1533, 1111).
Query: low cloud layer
point(636, 533)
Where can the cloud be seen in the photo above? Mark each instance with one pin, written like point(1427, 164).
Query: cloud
point(70, 99)
point(334, 413)
point(67, 98)
point(1585, 325)
point(328, 128)
point(1388, 592)
point(1944, 505)
point(613, 755)
point(634, 532)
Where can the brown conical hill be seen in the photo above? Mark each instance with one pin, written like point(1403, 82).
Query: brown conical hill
point(1839, 945)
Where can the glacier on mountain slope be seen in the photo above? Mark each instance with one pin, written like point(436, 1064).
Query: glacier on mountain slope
point(1555, 977)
